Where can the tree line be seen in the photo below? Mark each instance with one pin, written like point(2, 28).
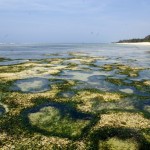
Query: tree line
point(146, 39)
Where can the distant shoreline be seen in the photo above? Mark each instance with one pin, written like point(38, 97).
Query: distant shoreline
point(137, 43)
point(144, 41)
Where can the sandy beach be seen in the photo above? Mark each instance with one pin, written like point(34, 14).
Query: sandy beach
point(139, 43)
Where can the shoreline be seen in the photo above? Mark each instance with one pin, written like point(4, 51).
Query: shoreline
point(138, 43)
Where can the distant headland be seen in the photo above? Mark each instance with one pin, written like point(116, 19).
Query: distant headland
point(146, 39)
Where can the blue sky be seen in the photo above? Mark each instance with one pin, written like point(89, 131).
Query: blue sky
point(73, 21)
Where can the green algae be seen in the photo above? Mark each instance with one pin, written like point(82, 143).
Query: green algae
point(139, 85)
point(72, 65)
point(118, 144)
point(14, 68)
point(48, 128)
point(4, 59)
point(123, 69)
point(49, 119)
point(107, 138)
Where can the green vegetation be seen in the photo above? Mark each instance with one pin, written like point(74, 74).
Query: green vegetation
point(146, 39)
point(64, 117)
point(4, 59)
point(72, 65)
point(139, 85)
point(115, 138)
point(118, 144)
point(122, 69)
point(51, 120)
point(14, 68)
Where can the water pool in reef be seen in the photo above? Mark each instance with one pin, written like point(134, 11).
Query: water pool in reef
point(31, 85)
point(12, 62)
point(74, 96)
point(2, 110)
point(58, 119)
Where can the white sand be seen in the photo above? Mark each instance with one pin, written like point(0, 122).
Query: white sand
point(138, 43)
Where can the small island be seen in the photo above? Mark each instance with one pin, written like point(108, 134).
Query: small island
point(136, 41)
point(146, 39)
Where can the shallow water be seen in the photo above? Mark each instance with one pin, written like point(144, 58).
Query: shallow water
point(86, 75)
point(101, 85)
point(12, 62)
point(111, 51)
point(65, 110)
point(2, 110)
point(76, 89)
point(91, 76)
point(144, 74)
point(31, 85)
point(67, 94)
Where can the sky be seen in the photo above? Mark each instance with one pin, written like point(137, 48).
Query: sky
point(73, 21)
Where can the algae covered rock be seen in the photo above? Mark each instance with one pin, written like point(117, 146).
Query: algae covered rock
point(118, 144)
point(59, 120)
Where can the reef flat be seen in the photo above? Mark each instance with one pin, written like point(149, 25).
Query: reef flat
point(74, 100)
